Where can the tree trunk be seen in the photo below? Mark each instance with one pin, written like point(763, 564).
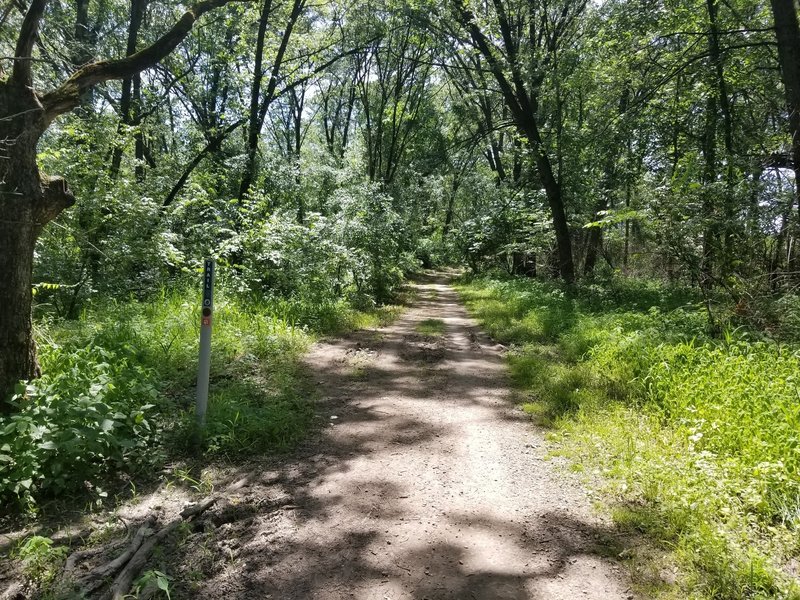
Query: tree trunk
point(787, 32)
point(451, 201)
point(522, 102)
point(715, 54)
point(555, 199)
point(28, 201)
point(82, 34)
point(213, 145)
point(297, 104)
point(131, 94)
point(17, 348)
point(627, 248)
point(258, 109)
point(593, 245)
point(710, 237)
point(566, 267)
point(253, 126)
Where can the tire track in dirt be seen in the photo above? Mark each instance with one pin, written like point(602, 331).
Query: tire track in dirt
point(425, 482)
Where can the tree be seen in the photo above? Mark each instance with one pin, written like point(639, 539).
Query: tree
point(520, 44)
point(337, 99)
point(260, 101)
point(393, 74)
point(130, 102)
point(31, 199)
point(787, 32)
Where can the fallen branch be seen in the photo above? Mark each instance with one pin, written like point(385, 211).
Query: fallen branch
point(122, 584)
point(81, 555)
point(127, 565)
point(95, 578)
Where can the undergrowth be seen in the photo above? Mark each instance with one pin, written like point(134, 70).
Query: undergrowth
point(697, 440)
point(116, 400)
point(431, 327)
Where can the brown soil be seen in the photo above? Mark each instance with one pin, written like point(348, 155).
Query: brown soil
point(425, 482)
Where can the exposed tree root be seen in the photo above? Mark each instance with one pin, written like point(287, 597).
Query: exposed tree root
point(95, 578)
point(127, 565)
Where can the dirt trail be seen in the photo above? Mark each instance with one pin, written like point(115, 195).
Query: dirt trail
point(424, 483)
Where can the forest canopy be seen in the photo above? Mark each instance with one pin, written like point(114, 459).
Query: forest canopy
point(557, 136)
point(562, 137)
point(321, 152)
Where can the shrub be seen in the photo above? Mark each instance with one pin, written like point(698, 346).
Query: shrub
point(89, 416)
point(40, 559)
point(358, 255)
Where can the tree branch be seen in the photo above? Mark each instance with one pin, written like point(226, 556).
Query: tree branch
point(66, 97)
point(211, 146)
point(22, 73)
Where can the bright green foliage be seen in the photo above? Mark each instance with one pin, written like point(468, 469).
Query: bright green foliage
point(375, 230)
point(738, 400)
point(118, 391)
point(160, 579)
point(285, 258)
point(354, 253)
point(41, 561)
point(240, 421)
point(382, 143)
point(90, 414)
point(697, 437)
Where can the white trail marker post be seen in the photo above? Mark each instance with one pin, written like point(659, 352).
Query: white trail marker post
point(204, 364)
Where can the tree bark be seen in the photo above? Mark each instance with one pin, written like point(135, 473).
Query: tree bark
point(253, 127)
point(28, 201)
point(18, 359)
point(715, 54)
point(212, 146)
point(131, 95)
point(259, 106)
point(787, 32)
point(594, 243)
point(710, 233)
point(555, 199)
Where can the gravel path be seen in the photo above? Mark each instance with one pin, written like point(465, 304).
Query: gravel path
point(425, 482)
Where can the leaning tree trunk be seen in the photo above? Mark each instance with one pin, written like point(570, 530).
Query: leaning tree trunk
point(787, 34)
point(566, 266)
point(28, 201)
point(555, 198)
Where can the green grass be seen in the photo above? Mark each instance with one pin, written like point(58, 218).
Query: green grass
point(431, 327)
point(697, 440)
point(116, 401)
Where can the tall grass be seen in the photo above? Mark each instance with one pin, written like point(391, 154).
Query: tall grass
point(117, 395)
point(697, 439)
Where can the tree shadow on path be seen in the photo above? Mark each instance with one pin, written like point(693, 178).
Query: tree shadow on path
point(423, 481)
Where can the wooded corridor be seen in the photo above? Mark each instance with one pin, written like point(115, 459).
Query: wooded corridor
point(610, 188)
